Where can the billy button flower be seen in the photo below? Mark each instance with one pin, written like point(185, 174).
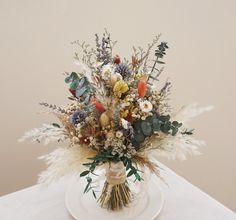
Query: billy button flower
point(120, 88)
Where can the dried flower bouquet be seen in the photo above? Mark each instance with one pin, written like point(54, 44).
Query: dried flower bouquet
point(117, 116)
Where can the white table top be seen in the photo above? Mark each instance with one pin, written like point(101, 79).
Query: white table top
point(183, 201)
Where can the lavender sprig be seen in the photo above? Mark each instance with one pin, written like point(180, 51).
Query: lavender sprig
point(53, 107)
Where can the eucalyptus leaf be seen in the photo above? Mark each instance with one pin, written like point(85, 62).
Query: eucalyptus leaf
point(80, 92)
point(81, 82)
point(164, 118)
point(56, 125)
point(166, 127)
point(84, 173)
point(175, 123)
point(174, 131)
point(130, 173)
point(146, 128)
point(139, 136)
point(156, 124)
point(94, 194)
point(87, 186)
point(74, 84)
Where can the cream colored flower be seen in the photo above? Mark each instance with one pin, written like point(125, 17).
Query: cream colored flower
point(145, 106)
point(119, 134)
point(114, 77)
point(107, 71)
point(124, 123)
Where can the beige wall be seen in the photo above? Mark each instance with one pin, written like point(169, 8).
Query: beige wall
point(35, 49)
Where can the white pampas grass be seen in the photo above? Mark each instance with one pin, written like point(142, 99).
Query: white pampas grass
point(180, 145)
point(175, 147)
point(46, 134)
point(63, 161)
point(187, 113)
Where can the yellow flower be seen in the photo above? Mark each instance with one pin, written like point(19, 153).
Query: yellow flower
point(120, 87)
point(124, 113)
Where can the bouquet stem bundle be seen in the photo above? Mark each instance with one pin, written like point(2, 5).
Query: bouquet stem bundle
point(116, 193)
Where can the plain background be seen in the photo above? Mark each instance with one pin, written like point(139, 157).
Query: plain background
point(35, 50)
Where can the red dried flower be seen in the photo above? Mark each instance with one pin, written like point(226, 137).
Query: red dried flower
point(117, 59)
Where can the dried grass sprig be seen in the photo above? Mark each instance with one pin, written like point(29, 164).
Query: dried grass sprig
point(144, 162)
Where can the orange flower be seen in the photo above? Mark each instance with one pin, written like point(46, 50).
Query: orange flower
point(142, 87)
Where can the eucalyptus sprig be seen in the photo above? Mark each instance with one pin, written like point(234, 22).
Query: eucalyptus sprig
point(160, 52)
point(104, 157)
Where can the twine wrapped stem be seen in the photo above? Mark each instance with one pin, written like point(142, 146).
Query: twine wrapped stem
point(116, 193)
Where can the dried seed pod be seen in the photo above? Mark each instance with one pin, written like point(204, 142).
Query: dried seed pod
point(104, 119)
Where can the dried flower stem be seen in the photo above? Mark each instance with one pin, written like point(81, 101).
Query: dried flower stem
point(115, 197)
point(53, 107)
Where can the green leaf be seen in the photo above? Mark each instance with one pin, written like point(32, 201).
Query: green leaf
point(138, 177)
point(188, 132)
point(73, 76)
point(81, 82)
point(84, 173)
point(56, 125)
point(74, 85)
point(156, 124)
point(175, 123)
point(87, 164)
point(131, 172)
point(81, 91)
point(137, 125)
point(160, 62)
point(139, 136)
point(94, 194)
point(92, 167)
point(166, 126)
point(174, 131)
point(67, 79)
point(129, 164)
point(180, 124)
point(146, 128)
point(89, 179)
point(164, 118)
point(87, 186)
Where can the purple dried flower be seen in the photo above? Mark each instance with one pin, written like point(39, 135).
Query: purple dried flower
point(77, 117)
point(123, 69)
